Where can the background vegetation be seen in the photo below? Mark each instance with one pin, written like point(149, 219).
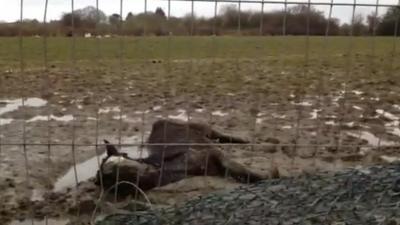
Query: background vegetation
point(226, 23)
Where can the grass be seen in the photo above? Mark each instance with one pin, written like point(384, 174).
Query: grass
point(144, 48)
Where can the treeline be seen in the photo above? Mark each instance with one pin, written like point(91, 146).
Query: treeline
point(229, 21)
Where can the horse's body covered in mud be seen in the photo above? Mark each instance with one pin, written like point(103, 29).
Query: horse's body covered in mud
point(178, 150)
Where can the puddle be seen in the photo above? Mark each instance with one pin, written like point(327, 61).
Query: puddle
point(127, 119)
point(219, 113)
point(133, 120)
point(117, 117)
point(330, 122)
point(387, 115)
point(393, 126)
point(314, 113)
point(394, 123)
point(12, 105)
point(35, 102)
point(138, 112)
point(313, 133)
point(88, 168)
point(364, 150)
point(85, 170)
point(356, 92)
point(278, 116)
point(394, 131)
point(390, 159)
point(37, 195)
point(109, 109)
point(259, 120)
point(330, 116)
point(41, 222)
point(157, 108)
point(181, 60)
point(357, 107)
point(371, 139)
point(338, 97)
point(200, 110)
point(374, 99)
point(287, 127)
point(261, 114)
point(305, 103)
point(181, 116)
point(4, 121)
point(65, 118)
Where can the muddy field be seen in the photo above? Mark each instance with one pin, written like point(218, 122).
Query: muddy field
point(339, 111)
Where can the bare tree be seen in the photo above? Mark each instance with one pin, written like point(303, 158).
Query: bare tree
point(387, 24)
point(359, 28)
point(372, 23)
point(160, 12)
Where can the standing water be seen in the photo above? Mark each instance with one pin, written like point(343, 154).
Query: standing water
point(40, 222)
point(89, 168)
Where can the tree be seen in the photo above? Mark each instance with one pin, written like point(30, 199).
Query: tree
point(189, 21)
point(299, 9)
point(86, 18)
point(129, 17)
point(359, 27)
point(160, 12)
point(90, 15)
point(69, 19)
point(388, 23)
point(302, 18)
point(372, 23)
point(114, 19)
point(229, 15)
point(334, 28)
point(345, 29)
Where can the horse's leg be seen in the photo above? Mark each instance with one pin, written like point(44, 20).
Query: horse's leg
point(234, 169)
point(225, 138)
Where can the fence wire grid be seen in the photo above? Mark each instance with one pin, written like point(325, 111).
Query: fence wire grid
point(302, 103)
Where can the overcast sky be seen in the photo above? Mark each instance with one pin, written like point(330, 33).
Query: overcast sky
point(10, 9)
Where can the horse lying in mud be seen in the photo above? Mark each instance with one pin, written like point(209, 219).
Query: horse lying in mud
point(176, 150)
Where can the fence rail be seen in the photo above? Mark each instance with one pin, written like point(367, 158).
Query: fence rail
point(316, 3)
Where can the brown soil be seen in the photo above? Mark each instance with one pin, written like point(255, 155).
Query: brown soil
point(275, 109)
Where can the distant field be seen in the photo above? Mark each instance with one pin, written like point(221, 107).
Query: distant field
point(142, 48)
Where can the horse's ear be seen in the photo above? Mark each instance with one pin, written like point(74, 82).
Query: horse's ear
point(105, 141)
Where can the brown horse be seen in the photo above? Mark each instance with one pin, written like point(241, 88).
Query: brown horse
point(178, 150)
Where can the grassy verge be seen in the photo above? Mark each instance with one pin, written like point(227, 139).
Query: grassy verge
point(144, 48)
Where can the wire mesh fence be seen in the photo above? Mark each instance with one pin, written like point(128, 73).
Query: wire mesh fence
point(247, 107)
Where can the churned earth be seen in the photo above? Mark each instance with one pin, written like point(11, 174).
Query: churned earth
point(326, 115)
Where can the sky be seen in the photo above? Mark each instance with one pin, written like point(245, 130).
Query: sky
point(34, 9)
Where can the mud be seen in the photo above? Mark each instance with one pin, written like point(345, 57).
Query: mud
point(300, 130)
